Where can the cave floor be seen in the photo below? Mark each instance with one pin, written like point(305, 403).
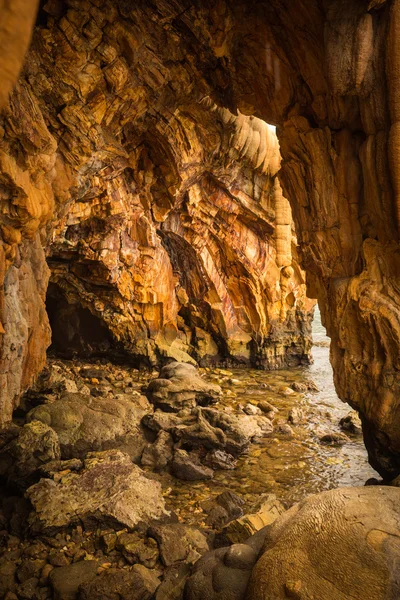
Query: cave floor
point(277, 470)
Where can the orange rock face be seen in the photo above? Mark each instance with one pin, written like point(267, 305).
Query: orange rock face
point(112, 124)
point(165, 226)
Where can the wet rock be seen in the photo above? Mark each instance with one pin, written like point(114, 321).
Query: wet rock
point(35, 445)
point(65, 581)
point(296, 416)
point(222, 574)
point(218, 459)
point(239, 530)
point(224, 508)
point(109, 487)
point(187, 466)
point(286, 391)
point(251, 409)
point(321, 548)
point(173, 583)
point(159, 454)
point(284, 428)
point(179, 543)
point(84, 423)
point(138, 550)
point(334, 438)
point(303, 387)
point(121, 584)
point(267, 407)
point(179, 385)
point(351, 423)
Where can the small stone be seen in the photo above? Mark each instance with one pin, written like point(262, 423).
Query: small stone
point(251, 409)
point(26, 590)
point(351, 423)
point(295, 416)
point(219, 459)
point(284, 428)
point(267, 407)
point(109, 541)
point(334, 439)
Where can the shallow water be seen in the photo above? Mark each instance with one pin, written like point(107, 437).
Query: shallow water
point(290, 468)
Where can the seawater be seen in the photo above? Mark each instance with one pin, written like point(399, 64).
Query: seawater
point(289, 467)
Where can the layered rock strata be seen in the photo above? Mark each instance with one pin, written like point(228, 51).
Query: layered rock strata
point(326, 73)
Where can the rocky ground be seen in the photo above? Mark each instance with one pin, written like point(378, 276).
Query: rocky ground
point(91, 465)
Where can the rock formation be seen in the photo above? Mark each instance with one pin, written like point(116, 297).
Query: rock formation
point(104, 125)
point(165, 226)
point(320, 548)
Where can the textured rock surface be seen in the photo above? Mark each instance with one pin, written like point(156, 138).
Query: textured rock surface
point(179, 386)
point(338, 544)
point(167, 231)
point(84, 423)
point(109, 488)
point(111, 122)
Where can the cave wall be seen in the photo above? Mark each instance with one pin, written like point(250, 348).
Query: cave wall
point(111, 149)
point(326, 72)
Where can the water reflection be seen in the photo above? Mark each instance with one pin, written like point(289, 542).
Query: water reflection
point(290, 467)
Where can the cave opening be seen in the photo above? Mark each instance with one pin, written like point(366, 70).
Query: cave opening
point(75, 331)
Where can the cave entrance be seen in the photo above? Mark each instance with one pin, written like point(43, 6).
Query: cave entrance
point(75, 330)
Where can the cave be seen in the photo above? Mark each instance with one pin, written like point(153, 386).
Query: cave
point(74, 330)
point(199, 300)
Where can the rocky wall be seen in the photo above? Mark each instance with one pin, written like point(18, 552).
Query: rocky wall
point(160, 213)
point(108, 77)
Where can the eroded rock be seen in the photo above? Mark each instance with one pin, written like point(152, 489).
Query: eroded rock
point(320, 548)
point(84, 423)
point(109, 488)
point(178, 386)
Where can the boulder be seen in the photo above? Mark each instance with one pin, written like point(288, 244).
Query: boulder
point(65, 581)
point(179, 542)
point(179, 385)
point(84, 423)
point(159, 454)
point(351, 423)
point(109, 488)
point(218, 459)
point(222, 574)
point(34, 445)
point(121, 584)
point(334, 438)
point(340, 544)
point(187, 466)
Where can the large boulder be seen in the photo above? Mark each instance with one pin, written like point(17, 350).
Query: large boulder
point(109, 488)
point(211, 428)
point(340, 544)
point(178, 386)
point(138, 584)
point(28, 449)
point(84, 423)
point(223, 574)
